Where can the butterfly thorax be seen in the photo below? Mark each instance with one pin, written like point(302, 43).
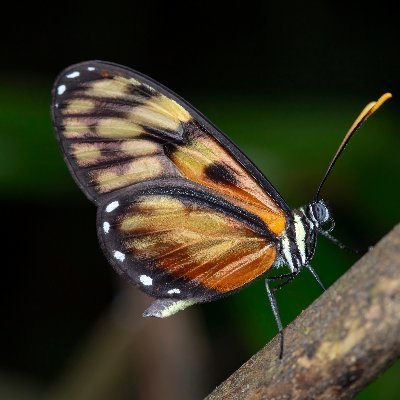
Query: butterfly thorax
point(299, 238)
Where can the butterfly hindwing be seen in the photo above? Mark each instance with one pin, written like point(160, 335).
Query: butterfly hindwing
point(118, 128)
point(174, 239)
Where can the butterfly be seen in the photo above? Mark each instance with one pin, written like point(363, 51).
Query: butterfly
point(182, 213)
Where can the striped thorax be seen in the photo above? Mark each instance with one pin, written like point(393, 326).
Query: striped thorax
point(299, 238)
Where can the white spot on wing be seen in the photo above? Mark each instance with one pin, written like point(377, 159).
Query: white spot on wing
point(106, 227)
point(112, 206)
point(74, 74)
point(91, 68)
point(173, 291)
point(146, 280)
point(61, 89)
point(119, 256)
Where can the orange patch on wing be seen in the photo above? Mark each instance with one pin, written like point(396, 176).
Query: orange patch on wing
point(238, 272)
point(195, 242)
point(193, 159)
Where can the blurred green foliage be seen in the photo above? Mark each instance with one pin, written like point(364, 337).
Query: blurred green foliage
point(290, 139)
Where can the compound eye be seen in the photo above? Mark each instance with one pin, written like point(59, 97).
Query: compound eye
point(321, 212)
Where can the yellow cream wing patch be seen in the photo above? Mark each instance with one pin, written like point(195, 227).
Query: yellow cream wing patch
point(125, 174)
point(112, 128)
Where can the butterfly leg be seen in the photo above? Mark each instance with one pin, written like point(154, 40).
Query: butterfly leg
point(280, 277)
point(314, 274)
point(272, 299)
point(275, 310)
point(338, 242)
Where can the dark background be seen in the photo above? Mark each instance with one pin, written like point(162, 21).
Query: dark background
point(285, 81)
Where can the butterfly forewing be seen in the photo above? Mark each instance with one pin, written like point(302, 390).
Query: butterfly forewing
point(121, 132)
point(118, 128)
point(112, 129)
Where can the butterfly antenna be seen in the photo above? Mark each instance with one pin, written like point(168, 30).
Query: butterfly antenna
point(364, 115)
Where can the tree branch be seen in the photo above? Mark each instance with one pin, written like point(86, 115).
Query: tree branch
point(340, 344)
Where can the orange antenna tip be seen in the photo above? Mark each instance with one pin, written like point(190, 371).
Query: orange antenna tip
point(368, 110)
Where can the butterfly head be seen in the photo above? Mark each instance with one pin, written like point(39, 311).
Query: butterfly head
point(318, 213)
point(320, 221)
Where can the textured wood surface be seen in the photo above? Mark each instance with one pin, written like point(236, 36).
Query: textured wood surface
point(337, 346)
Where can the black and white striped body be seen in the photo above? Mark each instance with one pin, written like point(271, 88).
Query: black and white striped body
point(299, 239)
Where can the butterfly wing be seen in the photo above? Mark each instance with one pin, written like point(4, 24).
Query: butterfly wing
point(117, 128)
point(179, 205)
point(183, 241)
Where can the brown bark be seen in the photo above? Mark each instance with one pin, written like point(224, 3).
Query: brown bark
point(340, 344)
